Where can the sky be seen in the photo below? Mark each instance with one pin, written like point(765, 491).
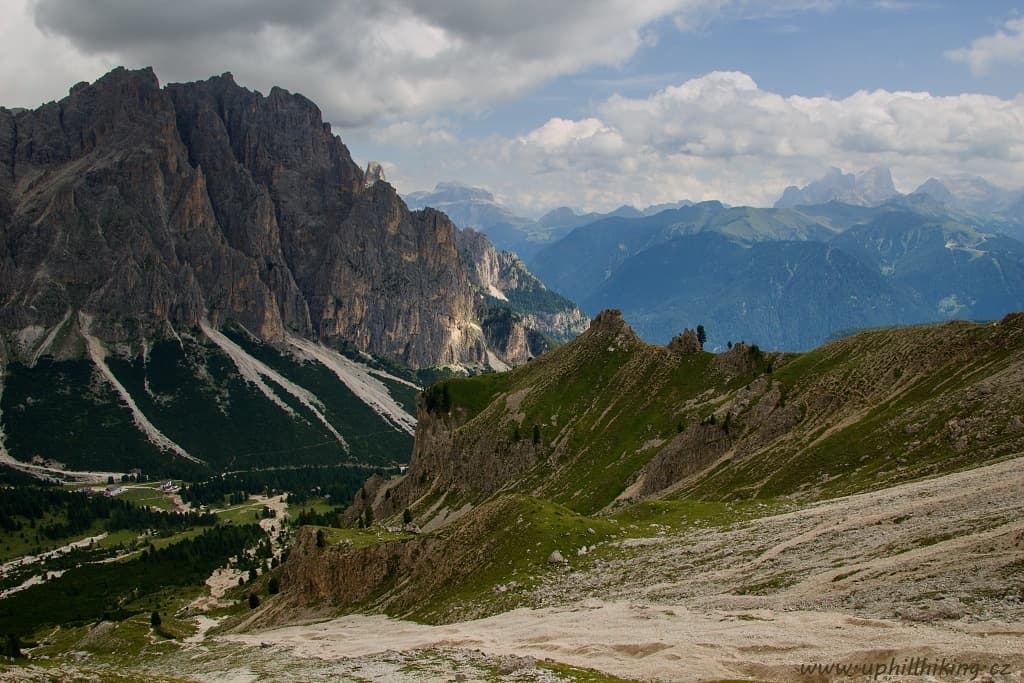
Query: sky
point(584, 103)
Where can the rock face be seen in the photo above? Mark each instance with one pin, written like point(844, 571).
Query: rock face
point(520, 316)
point(152, 209)
point(374, 174)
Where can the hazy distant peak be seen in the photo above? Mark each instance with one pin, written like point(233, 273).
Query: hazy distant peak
point(865, 188)
point(658, 208)
point(626, 211)
point(559, 216)
point(971, 193)
point(449, 191)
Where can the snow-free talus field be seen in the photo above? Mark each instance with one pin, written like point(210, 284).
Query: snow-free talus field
point(929, 569)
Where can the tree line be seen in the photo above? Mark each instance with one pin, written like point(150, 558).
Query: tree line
point(74, 512)
point(339, 483)
point(113, 591)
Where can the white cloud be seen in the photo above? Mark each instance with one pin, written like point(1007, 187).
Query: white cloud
point(558, 136)
point(35, 68)
point(362, 60)
point(1002, 47)
point(412, 134)
point(397, 68)
point(721, 136)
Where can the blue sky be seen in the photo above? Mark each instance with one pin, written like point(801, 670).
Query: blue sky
point(833, 51)
point(587, 103)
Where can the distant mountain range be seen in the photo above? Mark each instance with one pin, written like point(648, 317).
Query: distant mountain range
point(846, 251)
point(789, 278)
point(476, 208)
point(869, 187)
point(961, 193)
point(969, 198)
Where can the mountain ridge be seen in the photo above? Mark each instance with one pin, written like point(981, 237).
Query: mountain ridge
point(608, 444)
point(205, 246)
point(789, 278)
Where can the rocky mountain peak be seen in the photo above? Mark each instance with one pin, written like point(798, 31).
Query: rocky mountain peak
point(374, 173)
point(559, 216)
point(934, 188)
point(207, 202)
point(866, 188)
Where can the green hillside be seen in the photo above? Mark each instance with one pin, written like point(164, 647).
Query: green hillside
point(609, 439)
point(608, 420)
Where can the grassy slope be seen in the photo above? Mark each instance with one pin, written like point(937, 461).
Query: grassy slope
point(899, 392)
point(507, 540)
point(602, 404)
point(875, 410)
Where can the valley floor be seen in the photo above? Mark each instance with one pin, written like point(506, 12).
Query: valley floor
point(921, 574)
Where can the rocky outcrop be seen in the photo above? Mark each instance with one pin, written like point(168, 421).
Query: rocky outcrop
point(487, 462)
point(609, 322)
point(686, 342)
point(152, 208)
point(399, 577)
point(345, 575)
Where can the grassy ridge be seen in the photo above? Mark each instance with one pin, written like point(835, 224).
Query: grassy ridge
point(595, 411)
point(902, 391)
point(871, 410)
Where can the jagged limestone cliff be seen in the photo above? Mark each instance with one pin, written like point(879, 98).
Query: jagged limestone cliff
point(202, 249)
point(521, 317)
point(154, 209)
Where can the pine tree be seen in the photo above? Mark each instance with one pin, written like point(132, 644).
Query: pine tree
point(254, 601)
point(701, 335)
point(12, 646)
point(155, 620)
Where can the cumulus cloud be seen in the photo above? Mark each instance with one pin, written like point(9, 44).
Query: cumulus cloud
point(1002, 47)
point(721, 136)
point(364, 59)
